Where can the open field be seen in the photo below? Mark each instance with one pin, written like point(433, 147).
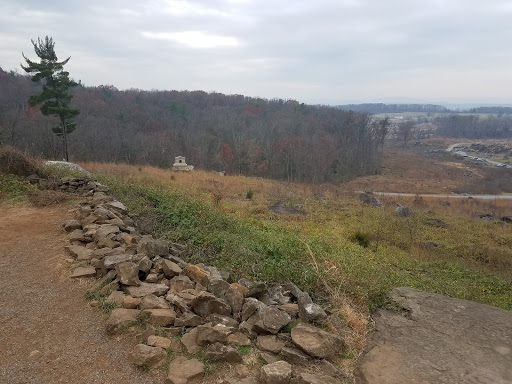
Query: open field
point(416, 170)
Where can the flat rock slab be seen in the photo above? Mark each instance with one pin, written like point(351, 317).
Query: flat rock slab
point(443, 340)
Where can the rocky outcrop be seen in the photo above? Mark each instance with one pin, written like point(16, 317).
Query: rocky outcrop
point(438, 339)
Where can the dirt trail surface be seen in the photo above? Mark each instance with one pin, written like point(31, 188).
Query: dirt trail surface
point(49, 333)
point(444, 341)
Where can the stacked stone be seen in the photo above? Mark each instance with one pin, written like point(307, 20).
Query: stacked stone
point(85, 185)
point(151, 283)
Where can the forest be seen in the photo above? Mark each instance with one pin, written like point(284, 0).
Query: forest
point(281, 139)
point(474, 126)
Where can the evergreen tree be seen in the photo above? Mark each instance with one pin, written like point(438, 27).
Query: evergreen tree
point(55, 97)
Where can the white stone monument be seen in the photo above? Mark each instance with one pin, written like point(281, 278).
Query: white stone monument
point(181, 165)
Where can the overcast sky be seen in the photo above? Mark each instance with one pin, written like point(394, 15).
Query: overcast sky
point(315, 51)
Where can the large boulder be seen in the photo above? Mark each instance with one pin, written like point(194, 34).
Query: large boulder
point(315, 341)
point(442, 340)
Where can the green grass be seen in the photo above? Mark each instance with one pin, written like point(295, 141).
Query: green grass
point(317, 248)
point(14, 188)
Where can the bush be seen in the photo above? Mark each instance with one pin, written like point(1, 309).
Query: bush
point(361, 238)
point(15, 162)
point(249, 194)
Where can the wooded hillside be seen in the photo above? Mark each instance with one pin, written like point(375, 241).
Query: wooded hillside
point(253, 136)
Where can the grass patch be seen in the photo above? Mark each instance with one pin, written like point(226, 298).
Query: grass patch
point(14, 188)
point(244, 349)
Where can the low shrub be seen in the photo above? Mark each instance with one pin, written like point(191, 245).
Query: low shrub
point(15, 162)
point(361, 238)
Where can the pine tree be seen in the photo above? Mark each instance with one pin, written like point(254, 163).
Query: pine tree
point(55, 98)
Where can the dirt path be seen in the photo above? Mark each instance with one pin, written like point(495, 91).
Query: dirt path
point(42, 309)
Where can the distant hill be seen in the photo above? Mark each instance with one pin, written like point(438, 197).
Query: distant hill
point(376, 108)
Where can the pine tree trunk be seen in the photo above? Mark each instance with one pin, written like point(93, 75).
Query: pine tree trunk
point(64, 138)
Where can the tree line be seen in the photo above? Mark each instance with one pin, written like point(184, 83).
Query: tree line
point(474, 126)
point(275, 138)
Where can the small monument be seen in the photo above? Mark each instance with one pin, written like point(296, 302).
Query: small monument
point(181, 165)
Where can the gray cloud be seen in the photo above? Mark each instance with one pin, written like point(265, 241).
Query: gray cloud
point(322, 51)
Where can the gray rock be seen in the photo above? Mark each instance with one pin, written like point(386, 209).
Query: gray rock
point(235, 299)
point(148, 357)
point(120, 319)
point(269, 343)
point(442, 340)
point(188, 319)
point(276, 293)
point(153, 247)
point(207, 304)
point(370, 199)
point(161, 317)
point(403, 211)
point(71, 224)
point(189, 342)
point(180, 283)
point(223, 353)
point(84, 272)
point(279, 372)
point(128, 273)
point(268, 358)
point(116, 297)
point(145, 264)
point(80, 253)
point(111, 261)
point(310, 378)
point(152, 301)
point(224, 320)
point(104, 230)
point(239, 339)
point(254, 288)
point(218, 287)
point(308, 311)
point(271, 320)
point(118, 206)
point(78, 236)
point(208, 334)
point(146, 289)
point(315, 341)
point(184, 371)
point(251, 306)
point(294, 356)
point(170, 269)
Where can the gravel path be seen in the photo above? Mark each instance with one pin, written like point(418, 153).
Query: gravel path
point(48, 332)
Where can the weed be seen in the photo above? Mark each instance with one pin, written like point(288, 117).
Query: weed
point(249, 194)
point(361, 238)
point(106, 306)
point(244, 349)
